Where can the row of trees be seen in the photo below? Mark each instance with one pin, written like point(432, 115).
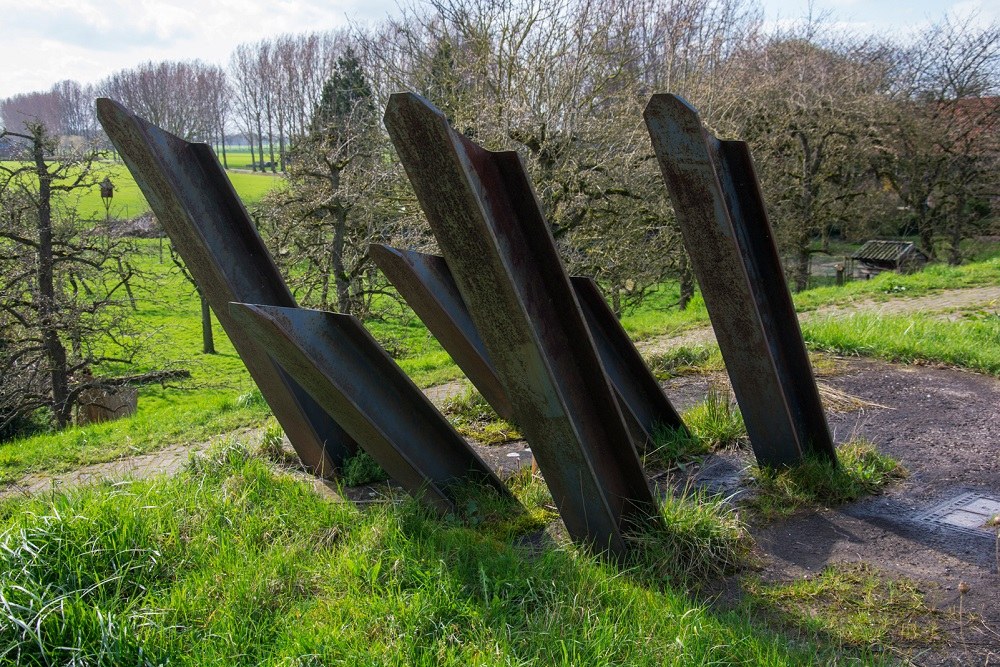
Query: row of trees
point(852, 137)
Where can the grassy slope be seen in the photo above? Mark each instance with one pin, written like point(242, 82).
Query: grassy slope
point(168, 313)
point(211, 568)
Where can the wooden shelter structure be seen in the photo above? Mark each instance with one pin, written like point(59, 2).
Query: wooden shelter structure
point(877, 256)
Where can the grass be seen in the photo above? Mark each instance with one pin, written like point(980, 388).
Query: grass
point(128, 201)
point(701, 540)
point(717, 421)
point(362, 469)
point(713, 424)
point(473, 417)
point(685, 360)
point(934, 277)
point(169, 316)
point(659, 314)
point(169, 313)
point(818, 482)
point(854, 604)
point(233, 563)
point(972, 341)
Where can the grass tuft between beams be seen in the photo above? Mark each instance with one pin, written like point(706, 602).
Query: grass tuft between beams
point(862, 471)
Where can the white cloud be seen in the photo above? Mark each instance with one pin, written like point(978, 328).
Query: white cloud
point(87, 40)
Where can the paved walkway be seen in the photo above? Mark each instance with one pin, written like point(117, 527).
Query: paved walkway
point(171, 459)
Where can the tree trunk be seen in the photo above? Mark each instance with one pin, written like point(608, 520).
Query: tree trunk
point(337, 262)
point(925, 229)
point(225, 162)
point(956, 229)
point(800, 274)
point(47, 311)
point(616, 301)
point(687, 281)
point(207, 339)
point(260, 143)
point(281, 141)
point(270, 138)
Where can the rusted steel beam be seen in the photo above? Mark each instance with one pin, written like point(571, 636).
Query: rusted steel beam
point(426, 283)
point(339, 363)
point(208, 225)
point(721, 212)
point(642, 400)
point(483, 212)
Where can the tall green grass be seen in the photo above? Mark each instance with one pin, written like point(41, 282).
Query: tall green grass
point(970, 342)
point(231, 563)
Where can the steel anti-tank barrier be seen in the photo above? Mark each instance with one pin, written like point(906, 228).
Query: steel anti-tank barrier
point(484, 214)
point(345, 370)
point(721, 213)
point(426, 284)
point(194, 200)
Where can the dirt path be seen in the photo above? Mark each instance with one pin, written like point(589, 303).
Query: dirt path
point(166, 461)
point(943, 425)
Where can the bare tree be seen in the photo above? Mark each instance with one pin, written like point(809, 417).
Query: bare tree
point(63, 304)
point(248, 98)
point(942, 130)
point(168, 94)
point(811, 109)
point(67, 110)
point(320, 227)
point(217, 96)
point(564, 83)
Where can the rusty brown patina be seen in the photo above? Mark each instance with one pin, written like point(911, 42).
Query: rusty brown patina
point(721, 213)
point(195, 202)
point(484, 214)
point(342, 366)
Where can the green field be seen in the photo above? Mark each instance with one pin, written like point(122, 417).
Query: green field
point(128, 201)
point(238, 157)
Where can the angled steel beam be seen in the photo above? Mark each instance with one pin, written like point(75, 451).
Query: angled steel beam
point(207, 223)
point(721, 212)
point(642, 401)
point(339, 363)
point(483, 212)
point(426, 283)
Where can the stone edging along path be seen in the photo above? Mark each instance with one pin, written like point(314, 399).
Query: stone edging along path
point(172, 458)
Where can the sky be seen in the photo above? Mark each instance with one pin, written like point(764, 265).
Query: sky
point(47, 41)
